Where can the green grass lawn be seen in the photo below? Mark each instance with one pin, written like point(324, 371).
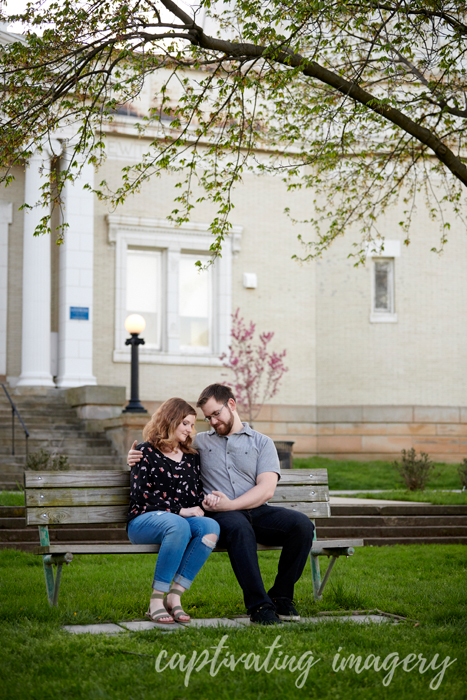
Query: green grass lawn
point(424, 583)
point(11, 498)
point(350, 475)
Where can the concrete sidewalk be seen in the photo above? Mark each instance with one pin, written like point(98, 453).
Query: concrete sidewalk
point(349, 501)
point(111, 628)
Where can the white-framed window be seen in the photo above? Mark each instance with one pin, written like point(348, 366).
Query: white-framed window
point(144, 291)
point(382, 258)
point(187, 310)
point(383, 285)
point(195, 299)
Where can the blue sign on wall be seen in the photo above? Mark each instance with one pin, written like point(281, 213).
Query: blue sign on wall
point(79, 313)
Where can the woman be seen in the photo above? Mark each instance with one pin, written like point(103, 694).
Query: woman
point(165, 508)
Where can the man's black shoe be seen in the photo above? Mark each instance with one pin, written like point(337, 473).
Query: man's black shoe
point(285, 609)
point(264, 616)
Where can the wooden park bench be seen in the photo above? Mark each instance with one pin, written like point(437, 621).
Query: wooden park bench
point(92, 497)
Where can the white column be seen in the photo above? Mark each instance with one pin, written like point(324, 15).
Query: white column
point(6, 211)
point(76, 282)
point(35, 348)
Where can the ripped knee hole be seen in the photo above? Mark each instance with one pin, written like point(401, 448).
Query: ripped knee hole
point(208, 541)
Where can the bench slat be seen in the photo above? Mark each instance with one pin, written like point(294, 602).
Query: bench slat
point(75, 515)
point(120, 495)
point(312, 510)
point(304, 476)
point(119, 477)
point(72, 479)
point(300, 493)
point(319, 546)
point(68, 515)
point(78, 497)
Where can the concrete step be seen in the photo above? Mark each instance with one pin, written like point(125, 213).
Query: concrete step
point(398, 509)
point(367, 533)
point(367, 521)
point(50, 431)
point(68, 447)
point(385, 541)
point(12, 475)
point(38, 416)
point(11, 512)
point(23, 546)
point(31, 407)
point(56, 536)
point(12, 523)
point(46, 426)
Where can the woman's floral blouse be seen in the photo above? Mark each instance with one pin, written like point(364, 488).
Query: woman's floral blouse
point(159, 483)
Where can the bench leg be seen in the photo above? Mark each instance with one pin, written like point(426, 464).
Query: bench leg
point(326, 576)
point(53, 586)
point(316, 576)
point(49, 579)
point(315, 573)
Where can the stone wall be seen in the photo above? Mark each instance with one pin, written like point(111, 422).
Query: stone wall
point(369, 432)
point(339, 432)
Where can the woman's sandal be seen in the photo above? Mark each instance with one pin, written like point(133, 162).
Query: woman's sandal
point(161, 615)
point(177, 611)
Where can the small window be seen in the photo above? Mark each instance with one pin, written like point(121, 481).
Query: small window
point(195, 303)
point(382, 304)
point(143, 292)
point(383, 299)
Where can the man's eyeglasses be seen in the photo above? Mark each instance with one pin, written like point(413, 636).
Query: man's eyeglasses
point(216, 414)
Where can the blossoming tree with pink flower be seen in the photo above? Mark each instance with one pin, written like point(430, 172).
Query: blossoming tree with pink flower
point(257, 371)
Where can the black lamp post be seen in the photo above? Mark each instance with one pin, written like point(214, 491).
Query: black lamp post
point(134, 324)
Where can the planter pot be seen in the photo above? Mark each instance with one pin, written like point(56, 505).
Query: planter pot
point(284, 450)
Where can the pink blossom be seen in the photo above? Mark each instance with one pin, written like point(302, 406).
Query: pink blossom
point(257, 372)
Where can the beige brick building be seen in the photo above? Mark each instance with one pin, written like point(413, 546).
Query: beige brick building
point(377, 354)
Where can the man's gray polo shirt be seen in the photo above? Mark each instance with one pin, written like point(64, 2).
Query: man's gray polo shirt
point(231, 463)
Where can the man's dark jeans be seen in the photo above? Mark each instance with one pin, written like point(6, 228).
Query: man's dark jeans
point(241, 530)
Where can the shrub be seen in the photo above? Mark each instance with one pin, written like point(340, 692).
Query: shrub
point(42, 460)
point(414, 471)
point(462, 471)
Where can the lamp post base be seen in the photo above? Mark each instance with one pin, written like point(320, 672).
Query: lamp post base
point(134, 407)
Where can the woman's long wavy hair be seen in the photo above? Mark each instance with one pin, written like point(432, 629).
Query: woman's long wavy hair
point(161, 428)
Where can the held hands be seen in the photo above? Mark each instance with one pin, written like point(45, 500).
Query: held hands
point(195, 512)
point(217, 501)
point(134, 456)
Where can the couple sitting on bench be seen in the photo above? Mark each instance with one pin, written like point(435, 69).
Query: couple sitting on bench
point(186, 496)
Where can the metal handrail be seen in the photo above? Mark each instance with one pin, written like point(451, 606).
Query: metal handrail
point(13, 411)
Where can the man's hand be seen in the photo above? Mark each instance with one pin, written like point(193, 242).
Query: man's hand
point(217, 501)
point(134, 456)
point(195, 512)
point(259, 494)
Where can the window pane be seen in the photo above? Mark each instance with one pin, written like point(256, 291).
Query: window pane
point(194, 303)
point(383, 285)
point(143, 296)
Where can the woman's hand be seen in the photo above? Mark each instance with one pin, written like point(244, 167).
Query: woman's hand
point(134, 456)
point(217, 501)
point(210, 501)
point(195, 512)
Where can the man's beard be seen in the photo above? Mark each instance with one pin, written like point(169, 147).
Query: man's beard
point(224, 428)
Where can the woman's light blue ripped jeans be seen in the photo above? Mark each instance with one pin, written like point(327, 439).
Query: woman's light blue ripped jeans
point(183, 541)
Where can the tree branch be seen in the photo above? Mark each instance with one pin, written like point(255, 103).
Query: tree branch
point(313, 69)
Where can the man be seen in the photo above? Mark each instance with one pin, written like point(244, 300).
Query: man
point(240, 470)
